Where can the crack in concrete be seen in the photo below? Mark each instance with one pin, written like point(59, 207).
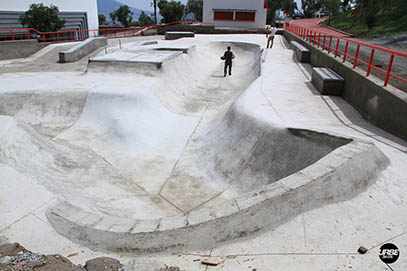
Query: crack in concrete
point(26, 215)
point(173, 204)
point(185, 147)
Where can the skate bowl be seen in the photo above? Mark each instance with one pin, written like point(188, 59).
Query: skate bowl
point(178, 158)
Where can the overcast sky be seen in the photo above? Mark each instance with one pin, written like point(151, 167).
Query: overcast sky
point(142, 4)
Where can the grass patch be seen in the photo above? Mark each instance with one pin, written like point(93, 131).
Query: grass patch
point(387, 23)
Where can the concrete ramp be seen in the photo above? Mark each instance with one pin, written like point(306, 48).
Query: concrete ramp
point(47, 111)
point(178, 158)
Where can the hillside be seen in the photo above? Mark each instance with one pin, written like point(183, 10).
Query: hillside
point(389, 21)
point(107, 6)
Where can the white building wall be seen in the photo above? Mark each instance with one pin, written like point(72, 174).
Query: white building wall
point(88, 6)
point(258, 5)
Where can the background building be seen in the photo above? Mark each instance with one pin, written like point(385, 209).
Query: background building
point(78, 14)
point(235, 13)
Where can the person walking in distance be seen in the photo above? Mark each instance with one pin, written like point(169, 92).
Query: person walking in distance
point(227, 57)
point(270, 40)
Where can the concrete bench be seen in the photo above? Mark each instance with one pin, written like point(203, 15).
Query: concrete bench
point(178, 35)
point(302, 53)
point(81, 50)
point(327, 81)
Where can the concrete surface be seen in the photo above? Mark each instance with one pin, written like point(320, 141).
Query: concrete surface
point(81, 50)
point(19, 48)
point(131, 59)
point(44, 60)
point(92, 164)
point(385, 107)
point(324, 182)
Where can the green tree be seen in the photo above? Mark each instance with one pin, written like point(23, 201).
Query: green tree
point(399, 8)
point(331, 8)
point(42, 18)
point(122, 15)
point(310, 7)
point(171, 11)
point(135, 23)
point(289, 6)
point(195, 7)
point(102, 19)
point(145, 20)
point(274, 5)
point(369, 9)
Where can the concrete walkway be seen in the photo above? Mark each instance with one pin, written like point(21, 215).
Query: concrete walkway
point(322, 239)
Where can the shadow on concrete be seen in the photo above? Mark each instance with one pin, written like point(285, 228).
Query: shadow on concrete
point(284, 43)
point(351, 118)
point(311, 87)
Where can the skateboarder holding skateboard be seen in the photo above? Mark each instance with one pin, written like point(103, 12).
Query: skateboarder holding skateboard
point(227, 57)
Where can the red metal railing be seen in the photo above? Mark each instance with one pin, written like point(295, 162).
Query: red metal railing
point(77, 35)
point(327, 43)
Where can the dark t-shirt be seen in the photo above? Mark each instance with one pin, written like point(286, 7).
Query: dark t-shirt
point(228, 57)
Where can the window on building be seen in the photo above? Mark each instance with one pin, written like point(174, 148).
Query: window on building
point(245, 16)
point(223, 15)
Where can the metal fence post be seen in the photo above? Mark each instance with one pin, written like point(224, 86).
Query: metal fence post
point(355, 62)
point(389, 70)
point(337, 47)
point(346, 51)
point(370, 63)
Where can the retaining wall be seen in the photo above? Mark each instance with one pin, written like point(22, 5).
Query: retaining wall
point(19, 48)
point(385, 107)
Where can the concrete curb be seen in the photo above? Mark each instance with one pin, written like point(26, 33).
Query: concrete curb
point(339, 176)
point(81, 50)
point(110, 65)
point(185, 50)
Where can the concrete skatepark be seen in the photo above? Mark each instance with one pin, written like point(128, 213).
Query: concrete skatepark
point(150, 149)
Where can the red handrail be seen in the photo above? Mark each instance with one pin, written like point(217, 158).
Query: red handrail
point(76, 35)
point(314, 38)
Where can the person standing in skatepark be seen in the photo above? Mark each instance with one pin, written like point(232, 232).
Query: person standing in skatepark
point(227, 57)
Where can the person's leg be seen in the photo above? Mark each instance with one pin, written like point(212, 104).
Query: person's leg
point(226, 66)
point(272, 42)
point(230, 69)
point(268, 42)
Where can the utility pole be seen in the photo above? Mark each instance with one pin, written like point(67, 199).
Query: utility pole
point(155, 11)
